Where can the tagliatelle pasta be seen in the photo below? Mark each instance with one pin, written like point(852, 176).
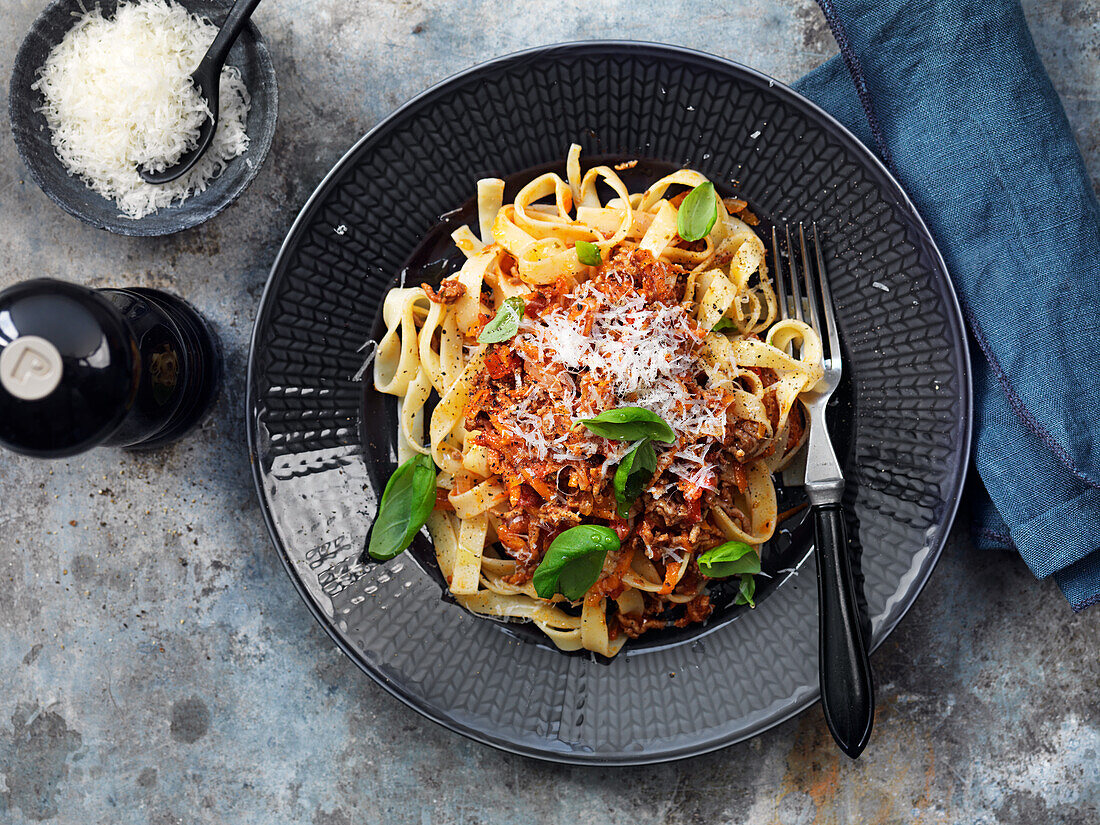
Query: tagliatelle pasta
point(617, 310)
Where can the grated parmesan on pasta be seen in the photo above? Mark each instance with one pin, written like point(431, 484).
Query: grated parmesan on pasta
point(118, 94)
point(643, 349)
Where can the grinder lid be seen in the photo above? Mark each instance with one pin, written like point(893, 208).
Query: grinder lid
point(67, 368)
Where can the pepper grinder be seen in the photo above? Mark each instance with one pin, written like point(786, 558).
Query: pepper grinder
point(81, 367)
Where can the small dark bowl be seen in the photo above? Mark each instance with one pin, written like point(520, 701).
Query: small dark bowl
point(32, 135)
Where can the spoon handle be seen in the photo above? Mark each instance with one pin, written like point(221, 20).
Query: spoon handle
point(847, 689)
point(235, 21)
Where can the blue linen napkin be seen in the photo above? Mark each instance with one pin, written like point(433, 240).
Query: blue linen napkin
point(954, 98)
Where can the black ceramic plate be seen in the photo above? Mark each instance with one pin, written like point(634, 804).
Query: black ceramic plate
point(322, 444)
point(32, 135)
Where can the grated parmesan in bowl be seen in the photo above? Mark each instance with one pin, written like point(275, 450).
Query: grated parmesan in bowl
point(117, 94)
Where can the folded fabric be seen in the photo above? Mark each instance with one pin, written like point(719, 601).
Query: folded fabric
point(954, 98)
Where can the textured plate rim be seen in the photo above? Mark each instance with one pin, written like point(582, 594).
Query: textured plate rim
point(851, 144)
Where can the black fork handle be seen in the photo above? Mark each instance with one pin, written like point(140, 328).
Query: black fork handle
point(847, 689)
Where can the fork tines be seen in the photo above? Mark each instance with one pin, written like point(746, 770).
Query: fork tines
point(801, 286)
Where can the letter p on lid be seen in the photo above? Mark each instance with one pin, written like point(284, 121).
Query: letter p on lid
point(30, 368)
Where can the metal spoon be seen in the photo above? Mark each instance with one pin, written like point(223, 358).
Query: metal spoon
point(207, 78)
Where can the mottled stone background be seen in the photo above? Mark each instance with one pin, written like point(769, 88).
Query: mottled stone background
point(156, 665)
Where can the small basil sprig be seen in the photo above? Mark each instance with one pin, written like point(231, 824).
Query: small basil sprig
point(588, 253)
point(406, 503)
point(724, 323)
point(734, 558)
point(730, 559)
point(573, 561)
point(698, 212)
point(746, 591)
point(505, 324)
point(630, 424)
point(632, 475)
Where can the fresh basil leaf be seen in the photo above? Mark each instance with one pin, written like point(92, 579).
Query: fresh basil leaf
point(698, 212)
point(406, 503)
point(633, 474)
point(746, 591)
point(630, 424)
point(588, 253)
point(580, 574)
point(730, 559)
point(573, 561)
point(725, 322)
point(505, 324)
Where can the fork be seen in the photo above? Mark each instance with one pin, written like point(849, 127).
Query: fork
point(847, 690)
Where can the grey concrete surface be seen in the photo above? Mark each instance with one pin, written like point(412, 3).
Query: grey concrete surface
point(156, 665)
